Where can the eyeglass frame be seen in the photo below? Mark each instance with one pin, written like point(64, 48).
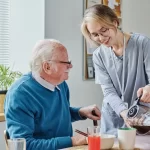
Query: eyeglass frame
point(102, 32)
point(63, 62)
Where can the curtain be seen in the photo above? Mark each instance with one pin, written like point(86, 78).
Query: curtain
point(4, 31)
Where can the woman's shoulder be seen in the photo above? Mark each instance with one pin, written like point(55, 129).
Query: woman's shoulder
point(102, 53)
point(101, 50)
point(139, 38)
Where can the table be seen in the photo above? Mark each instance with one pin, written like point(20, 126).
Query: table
point(141, 143)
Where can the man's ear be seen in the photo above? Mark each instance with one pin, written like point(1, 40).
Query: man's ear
point(46, 67)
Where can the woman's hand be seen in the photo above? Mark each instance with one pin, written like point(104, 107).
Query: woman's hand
point(136, 121)
point(145, 92)
point(132, 122)
point(123, 114)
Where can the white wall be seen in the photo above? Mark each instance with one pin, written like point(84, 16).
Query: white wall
point(135, 14)
point(62, 22)
point(27, 26)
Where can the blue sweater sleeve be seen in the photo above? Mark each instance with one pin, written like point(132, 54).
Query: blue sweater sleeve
point(74, 111)
point(20, 123)
point(75, 116)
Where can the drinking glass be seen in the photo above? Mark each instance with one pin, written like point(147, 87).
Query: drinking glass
point(17, 144)
point(93, 138)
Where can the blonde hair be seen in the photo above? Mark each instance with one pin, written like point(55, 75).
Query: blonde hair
point(99, 13)
point(43, 51)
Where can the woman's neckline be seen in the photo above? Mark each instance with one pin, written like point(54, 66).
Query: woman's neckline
point(126, 37)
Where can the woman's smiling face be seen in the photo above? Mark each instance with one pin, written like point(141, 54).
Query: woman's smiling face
point(101, 34)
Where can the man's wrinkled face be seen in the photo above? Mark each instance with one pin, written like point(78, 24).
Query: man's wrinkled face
point(62, 64)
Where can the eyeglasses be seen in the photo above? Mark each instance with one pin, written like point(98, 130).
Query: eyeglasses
point(103, 32)
point(63, 62)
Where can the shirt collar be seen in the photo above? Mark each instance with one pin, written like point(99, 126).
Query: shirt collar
point(44, 83)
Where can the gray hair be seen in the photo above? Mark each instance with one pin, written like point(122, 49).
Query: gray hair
point(43, 51)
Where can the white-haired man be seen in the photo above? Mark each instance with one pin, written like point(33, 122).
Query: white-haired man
point(37, 106)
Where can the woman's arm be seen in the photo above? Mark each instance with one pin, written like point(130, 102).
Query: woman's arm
point(145, 91)
point(110, 94)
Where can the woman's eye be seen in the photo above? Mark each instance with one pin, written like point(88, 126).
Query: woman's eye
point(104, 30)
point(95, 35)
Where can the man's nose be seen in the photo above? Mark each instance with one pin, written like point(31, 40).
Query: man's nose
point(70, 65)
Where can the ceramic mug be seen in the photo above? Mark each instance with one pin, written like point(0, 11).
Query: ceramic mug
point(126, 138)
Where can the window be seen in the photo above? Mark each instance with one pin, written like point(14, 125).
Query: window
point(4, 31)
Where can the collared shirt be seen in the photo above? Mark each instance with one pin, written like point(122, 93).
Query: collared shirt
point(44, 83)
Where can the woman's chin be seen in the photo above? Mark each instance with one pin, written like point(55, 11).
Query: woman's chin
point(107, 45)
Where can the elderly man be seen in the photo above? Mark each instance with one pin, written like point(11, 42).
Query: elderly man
point(37, 106)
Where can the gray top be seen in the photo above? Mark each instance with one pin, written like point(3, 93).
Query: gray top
point(136, 75)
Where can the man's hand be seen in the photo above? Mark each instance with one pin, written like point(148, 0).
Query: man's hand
point(145, 92)
point(78, 140)
point(87, 112)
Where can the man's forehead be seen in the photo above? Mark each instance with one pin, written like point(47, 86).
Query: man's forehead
point(60, 51)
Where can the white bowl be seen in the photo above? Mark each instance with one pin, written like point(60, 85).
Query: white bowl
point(107, 141)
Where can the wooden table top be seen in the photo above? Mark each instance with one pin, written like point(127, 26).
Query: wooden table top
point(141, 143)
point(86, 148)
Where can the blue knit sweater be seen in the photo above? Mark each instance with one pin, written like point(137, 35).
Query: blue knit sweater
point(41, 116)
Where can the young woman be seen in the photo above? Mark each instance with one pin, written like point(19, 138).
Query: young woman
point(122, 66)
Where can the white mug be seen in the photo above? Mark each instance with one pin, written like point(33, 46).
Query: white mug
point(126, 138)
